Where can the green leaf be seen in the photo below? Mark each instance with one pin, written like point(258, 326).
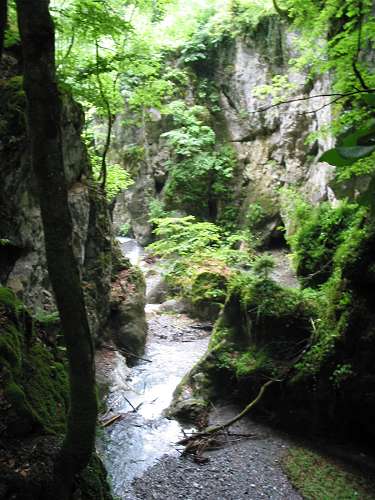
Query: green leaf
point(369, 99)
point(353, 138)
point(333, 157)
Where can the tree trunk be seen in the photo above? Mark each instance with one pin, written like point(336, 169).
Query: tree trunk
point(44, 122)
point(3, 23)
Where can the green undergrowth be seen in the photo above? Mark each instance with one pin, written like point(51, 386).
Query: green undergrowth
point(201, 171)
point(318, 477)
point(200, 258)
point(263, 326)
point(316, 233)
point(318, 342)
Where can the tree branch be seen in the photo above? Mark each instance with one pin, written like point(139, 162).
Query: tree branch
point(68, 51)
point(359, 47)
point(297, 99)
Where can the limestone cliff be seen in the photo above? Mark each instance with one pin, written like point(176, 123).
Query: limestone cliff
point(270, 145)
point(22, 255)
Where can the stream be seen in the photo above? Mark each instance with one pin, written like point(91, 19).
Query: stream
point(139, 448)
point(133, 443)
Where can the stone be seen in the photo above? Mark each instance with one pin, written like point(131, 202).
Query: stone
point(127, 325)
point(178, 306)
point(188, 410)
point(159, 291)
point(20, 221)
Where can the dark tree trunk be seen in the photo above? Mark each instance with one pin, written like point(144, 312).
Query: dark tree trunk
point(44, 117)
point(3, 23)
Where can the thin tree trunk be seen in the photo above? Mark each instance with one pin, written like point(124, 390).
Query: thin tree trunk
point(44, 121)
point(107, 144)
point(3, 23)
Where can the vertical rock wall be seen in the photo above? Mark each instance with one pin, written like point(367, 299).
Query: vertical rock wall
point(271, 146)
point(22, 255)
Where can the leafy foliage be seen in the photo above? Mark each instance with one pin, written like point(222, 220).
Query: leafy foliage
point(199, 256)
point(117, 177)
point(184, 236)
point(199, 176)
point(316, 233)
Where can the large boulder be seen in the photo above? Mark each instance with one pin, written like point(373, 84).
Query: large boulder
point(127, 325)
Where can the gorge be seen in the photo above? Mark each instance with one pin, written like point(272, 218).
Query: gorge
point(219, 160)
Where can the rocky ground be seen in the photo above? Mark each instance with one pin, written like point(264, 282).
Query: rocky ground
point(240, 468)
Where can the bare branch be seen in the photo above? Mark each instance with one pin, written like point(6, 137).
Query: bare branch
point(297, 99)
point(107, 144)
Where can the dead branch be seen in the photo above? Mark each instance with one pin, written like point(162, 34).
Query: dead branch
point(111, 421)
point(217, 428)
point(124, 351)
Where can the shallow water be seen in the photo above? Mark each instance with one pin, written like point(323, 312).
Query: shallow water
point(130, 445)
point(132, 249)
point(133, 443)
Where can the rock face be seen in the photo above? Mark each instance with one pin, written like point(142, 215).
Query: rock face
point(270, 145)
point(144, 152)
point(127, 325)
point(22, 254)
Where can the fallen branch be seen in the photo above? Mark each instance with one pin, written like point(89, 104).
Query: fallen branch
point(127, 353)
point(217, 428)
point(111, 420)
point(135, 409)
point(198, 442)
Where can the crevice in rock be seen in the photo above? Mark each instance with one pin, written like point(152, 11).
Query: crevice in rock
point(9, 254)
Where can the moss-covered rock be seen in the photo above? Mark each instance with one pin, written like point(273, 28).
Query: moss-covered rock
point(34, 398)
point(317, 234)
point(23, 265)
point(318, 343)
point(208, 291)
point(127, 325)
point(34, 380)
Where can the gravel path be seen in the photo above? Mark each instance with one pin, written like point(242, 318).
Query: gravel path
point(244, 468)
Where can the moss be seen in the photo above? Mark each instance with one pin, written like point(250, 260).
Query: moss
point(318, 477)
point(207, 291)
point(321, 237)
point(35, 382)
point(46, 385)
point(12, 106)
point(92, 483)
point(17, 398)
point(209, 285)
point(11, 344)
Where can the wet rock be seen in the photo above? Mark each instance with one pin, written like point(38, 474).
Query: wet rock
point(20, 219)
point(178, 306)
point(188, 410)
point(127, 324)
point(158, 292)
